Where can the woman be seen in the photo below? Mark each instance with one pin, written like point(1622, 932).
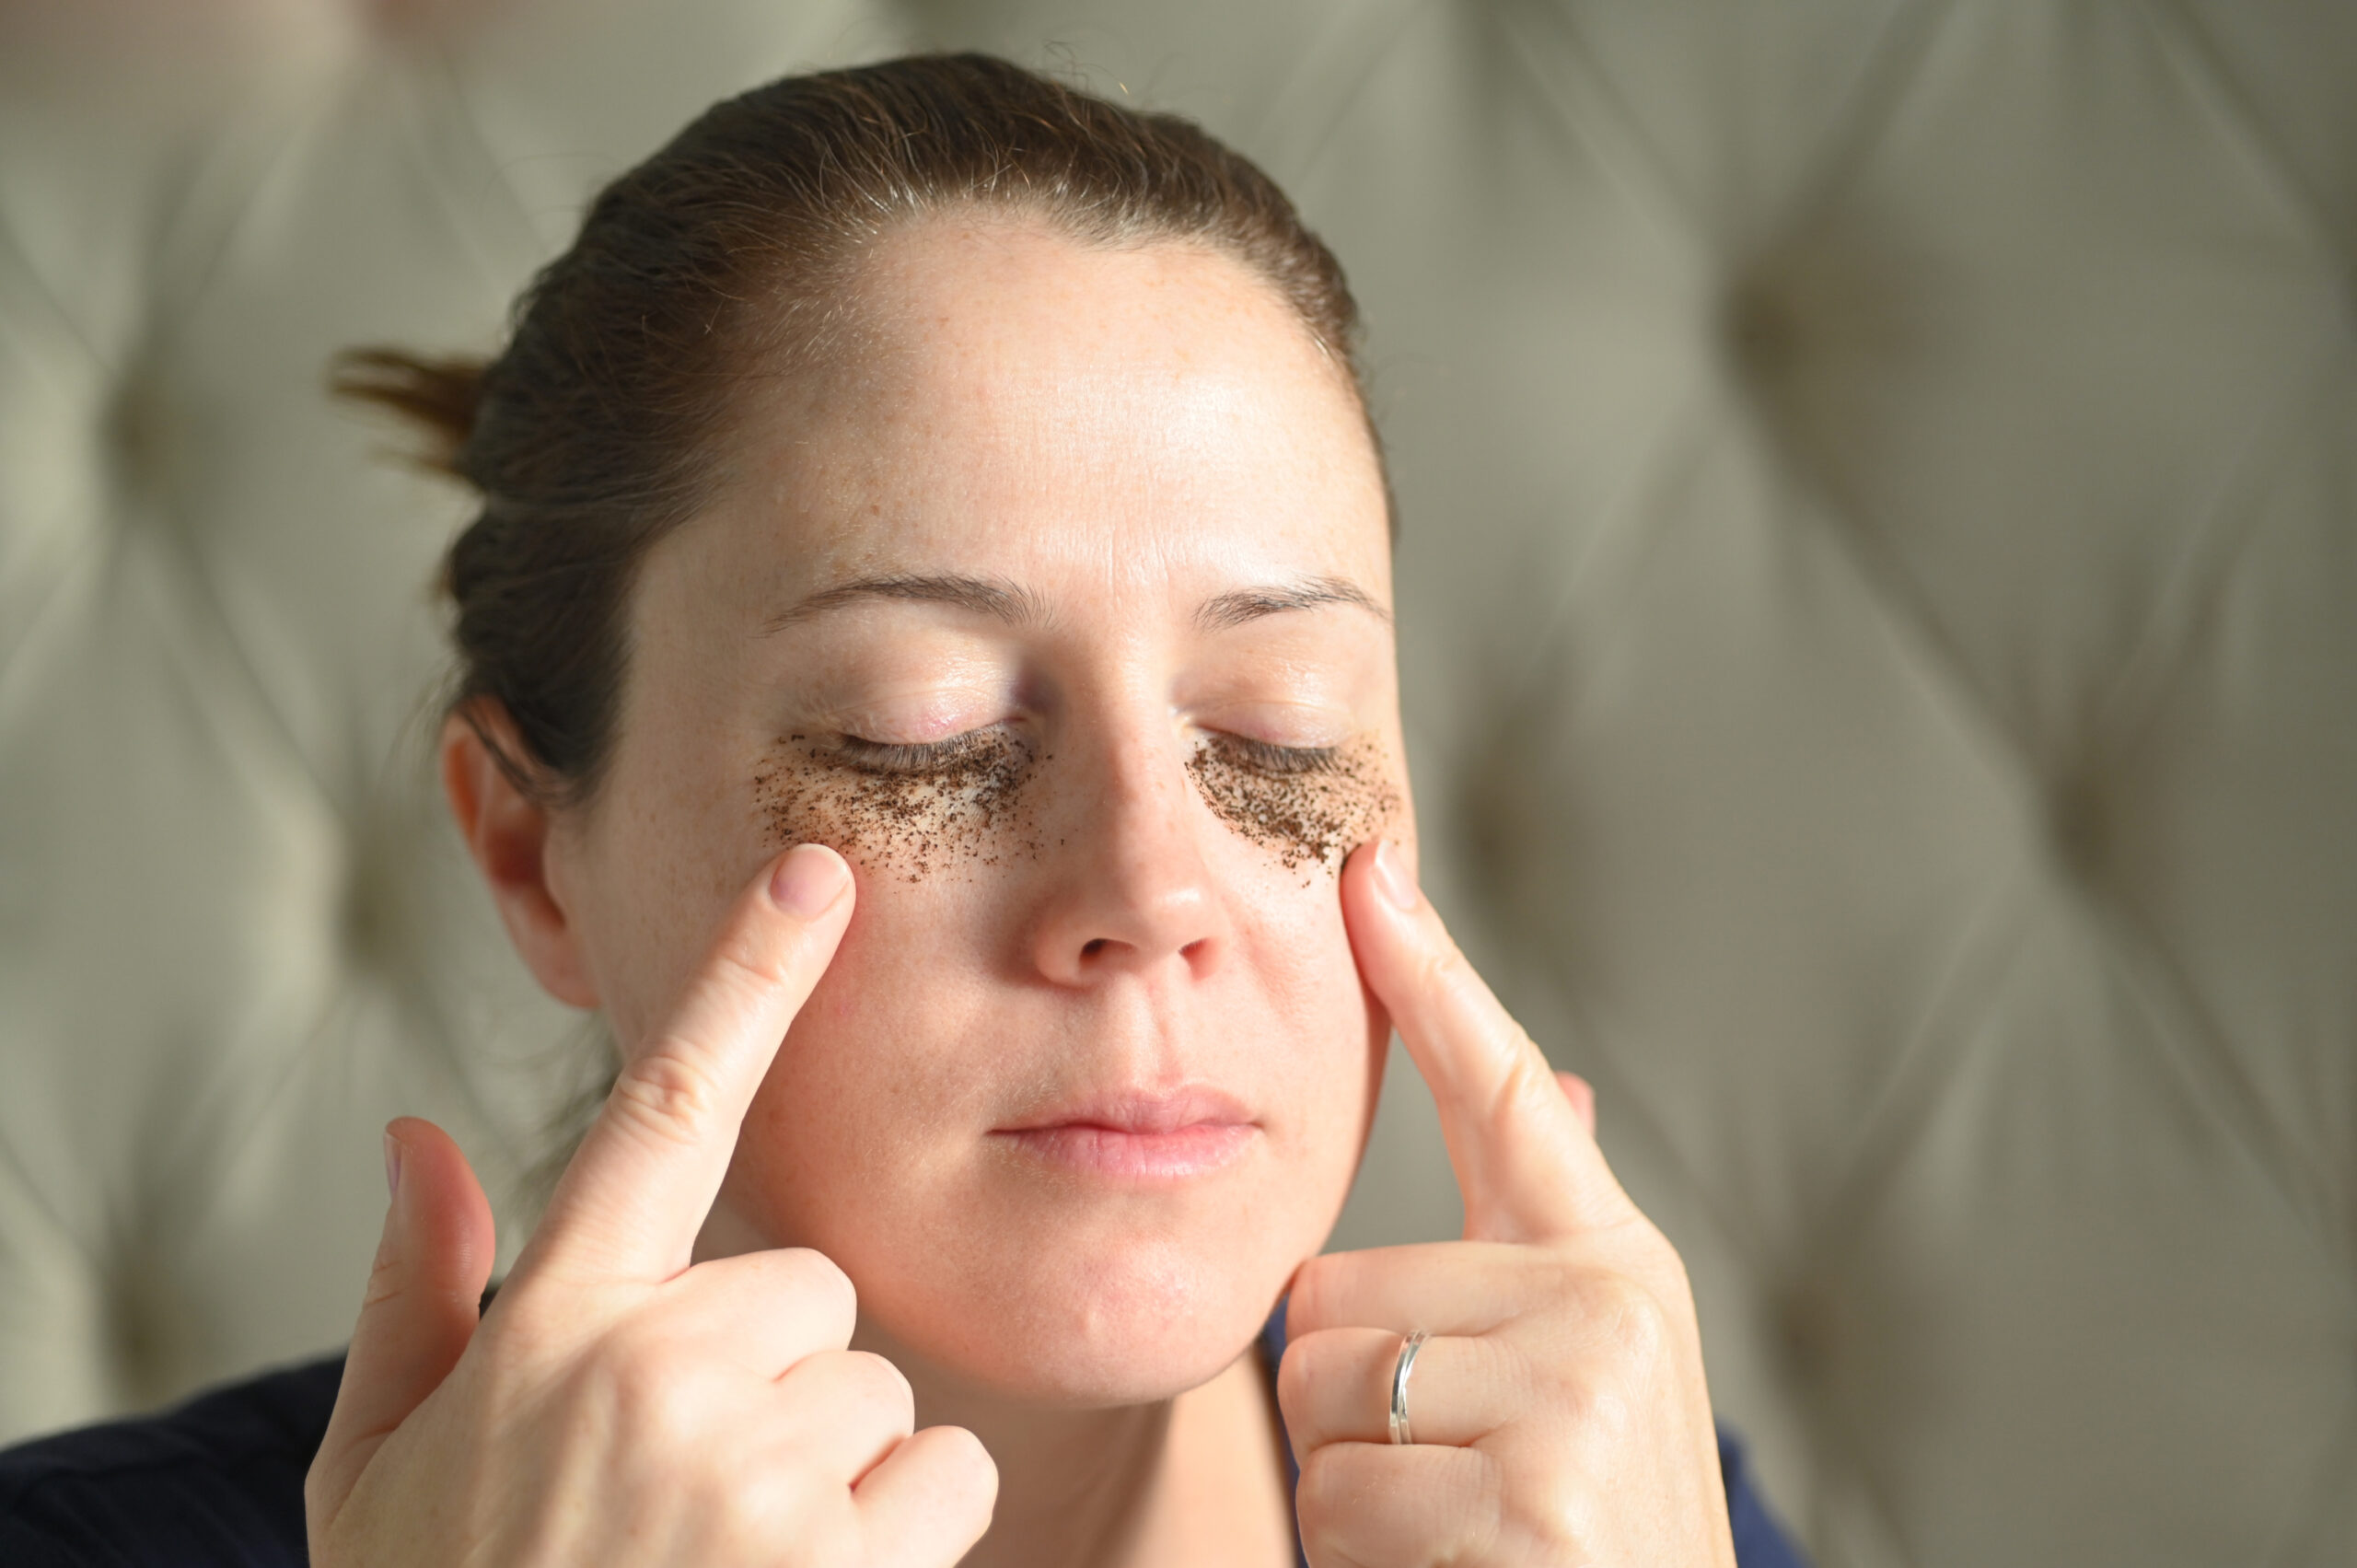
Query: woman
point(927, 678)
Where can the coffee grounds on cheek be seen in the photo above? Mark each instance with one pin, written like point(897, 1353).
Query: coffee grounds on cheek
point(902, 824)
point(1312, 815)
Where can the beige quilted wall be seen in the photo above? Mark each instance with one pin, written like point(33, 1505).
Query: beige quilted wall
point(1879, 595)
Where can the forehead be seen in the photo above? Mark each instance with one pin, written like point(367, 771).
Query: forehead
point(1011, 401)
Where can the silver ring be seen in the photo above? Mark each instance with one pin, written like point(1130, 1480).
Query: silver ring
point(1409, 1346)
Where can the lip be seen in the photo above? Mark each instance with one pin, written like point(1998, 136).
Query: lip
point(1137, 1135)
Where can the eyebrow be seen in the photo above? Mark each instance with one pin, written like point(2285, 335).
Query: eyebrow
point(1006, 601)
point(1223, 610)
point(1018, 606)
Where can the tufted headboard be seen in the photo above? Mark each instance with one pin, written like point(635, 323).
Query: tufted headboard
point(1878, 595)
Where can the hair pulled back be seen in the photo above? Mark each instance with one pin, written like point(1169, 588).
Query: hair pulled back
point(730, 253)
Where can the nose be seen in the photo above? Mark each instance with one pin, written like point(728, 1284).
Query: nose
point(1131, 891)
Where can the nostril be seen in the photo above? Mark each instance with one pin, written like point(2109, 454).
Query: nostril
point(1090, 949)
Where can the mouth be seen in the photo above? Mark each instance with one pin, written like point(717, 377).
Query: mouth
point(1137, 1135)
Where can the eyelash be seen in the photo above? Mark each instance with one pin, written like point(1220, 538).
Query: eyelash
point(918, 756)
point(910, 756)
point(1267, 757)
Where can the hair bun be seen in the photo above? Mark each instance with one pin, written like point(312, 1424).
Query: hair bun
point(436, 398)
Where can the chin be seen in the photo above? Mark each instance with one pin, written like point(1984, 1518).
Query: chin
point(1097, 1316)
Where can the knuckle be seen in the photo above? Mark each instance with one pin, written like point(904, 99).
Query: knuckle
point(1631, 1320)
point(1440, 968)
point(648, 1394)
point(1293, 1376)
point(1605, 1317)
point(964, 1477)
point(1557, 1522)
point(879, 1386)
point(820, 1285)
point(962, 1454)
point(1326, 1494)
point(387, 1278)
point(1447, 972)
point(1598, 1414)
point(1298, 1382)
point(1313, 1285)
point(749, 962)
point(965, 1456)
point(669, 1093)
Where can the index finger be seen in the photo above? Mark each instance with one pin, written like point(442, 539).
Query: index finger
point(1525, 1162)
point(631, 1201)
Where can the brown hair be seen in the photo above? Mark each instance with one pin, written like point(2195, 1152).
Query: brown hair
point(730, 252)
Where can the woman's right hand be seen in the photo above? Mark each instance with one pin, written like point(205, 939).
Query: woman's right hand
point(619, 1404)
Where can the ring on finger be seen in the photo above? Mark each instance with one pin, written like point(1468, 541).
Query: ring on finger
point(1409, 1345)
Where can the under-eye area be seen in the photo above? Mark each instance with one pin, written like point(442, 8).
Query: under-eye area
point(1308, 805)
point(902, 809)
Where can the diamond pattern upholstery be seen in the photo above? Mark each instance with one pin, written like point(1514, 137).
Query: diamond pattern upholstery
point(1878, 595)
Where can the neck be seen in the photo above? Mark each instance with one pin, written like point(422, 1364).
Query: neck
point(1185, 1482)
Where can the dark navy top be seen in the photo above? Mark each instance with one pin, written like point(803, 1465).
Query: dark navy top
point(218, 1484)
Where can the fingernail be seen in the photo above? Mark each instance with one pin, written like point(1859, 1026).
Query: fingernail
point(392, 1164)
point(1391, 876)
point(809, 881)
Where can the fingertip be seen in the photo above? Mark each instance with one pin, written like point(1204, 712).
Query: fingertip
point(808, 879)
point(1393, 878)
point(435, 1191)
point(1581, 1093)
point(404, 1137)
point(419, 1308)
point(1383, 907)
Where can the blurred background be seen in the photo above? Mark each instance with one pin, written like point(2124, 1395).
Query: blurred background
point(1878, 597)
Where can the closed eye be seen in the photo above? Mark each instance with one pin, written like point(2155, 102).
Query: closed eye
point(1267, 757)
point(960, 751)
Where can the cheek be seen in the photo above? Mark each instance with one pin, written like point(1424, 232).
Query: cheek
point(648, 885)
point(1321, 1035)
point(897, 1065)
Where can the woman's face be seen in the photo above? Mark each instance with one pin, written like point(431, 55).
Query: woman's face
point(1059, 606)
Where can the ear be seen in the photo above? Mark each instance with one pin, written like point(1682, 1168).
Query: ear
point(507, 830)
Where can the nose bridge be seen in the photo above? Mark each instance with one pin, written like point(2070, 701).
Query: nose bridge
point(1135, 888)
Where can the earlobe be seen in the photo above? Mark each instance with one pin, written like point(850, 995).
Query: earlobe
point(509, 830)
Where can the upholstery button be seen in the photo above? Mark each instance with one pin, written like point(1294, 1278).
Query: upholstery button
point(138, 434)
point(1763, 332)
point(1811, 1329)
point(2074, 830)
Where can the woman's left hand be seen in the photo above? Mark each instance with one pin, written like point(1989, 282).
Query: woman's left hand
point(1558, 1409)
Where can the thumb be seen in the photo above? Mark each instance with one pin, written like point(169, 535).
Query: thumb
point(420, 1309)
